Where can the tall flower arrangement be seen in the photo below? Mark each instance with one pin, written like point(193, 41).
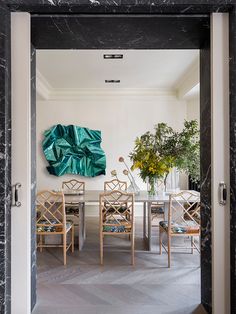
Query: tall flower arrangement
point(155, 154)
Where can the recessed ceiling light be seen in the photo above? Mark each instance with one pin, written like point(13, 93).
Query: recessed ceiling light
point(113, 56)
point(112, 81)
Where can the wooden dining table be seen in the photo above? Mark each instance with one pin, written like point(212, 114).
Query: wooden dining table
point(92, 196)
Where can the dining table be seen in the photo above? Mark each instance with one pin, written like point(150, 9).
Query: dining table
point(143, 197)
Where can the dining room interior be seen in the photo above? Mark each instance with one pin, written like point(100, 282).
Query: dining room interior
point(118, 161)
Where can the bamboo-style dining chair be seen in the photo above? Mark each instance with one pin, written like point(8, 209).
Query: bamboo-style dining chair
point(51, 220)
point(157, 212)
point(115, 184)
point(74, 185)
point(157, 209)
point(119, 220)
point(183, 220)
point(72, 207)
point(69, 187)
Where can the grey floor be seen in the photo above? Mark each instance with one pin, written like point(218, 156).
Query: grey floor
point(148, 287)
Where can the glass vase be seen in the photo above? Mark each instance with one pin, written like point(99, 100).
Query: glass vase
point(133, 188)
point(152, 186)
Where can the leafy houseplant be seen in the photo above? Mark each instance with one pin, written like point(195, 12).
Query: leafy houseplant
point(155, 154)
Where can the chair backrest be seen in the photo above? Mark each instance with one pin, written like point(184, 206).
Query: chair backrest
point(117, 210)
point(74, 184)
point(50, 209)
point(115, 184)
point(184, 209)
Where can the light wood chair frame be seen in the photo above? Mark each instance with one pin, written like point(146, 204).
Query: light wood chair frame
point(79, 186)
point(51, 205)
point(74, 184)
point(157, 204)
point(189, 202)
point(116, 200)
point(157, 215)
point(115, 184)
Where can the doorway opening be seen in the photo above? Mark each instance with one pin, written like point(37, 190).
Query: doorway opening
point(150, 87)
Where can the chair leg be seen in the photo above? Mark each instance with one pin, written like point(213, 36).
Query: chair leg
point(72, 239)
point(101, 247)
point(132, 249)
point(64, 248)
point(41, 243)
point(192, 243)
point(79, 234)
point(160, 241)
point(169, 249)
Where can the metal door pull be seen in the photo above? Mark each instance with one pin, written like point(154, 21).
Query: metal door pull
point(222, 193)
point(16, 202)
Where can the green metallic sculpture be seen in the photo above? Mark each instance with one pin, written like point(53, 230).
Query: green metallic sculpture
point(74, 150)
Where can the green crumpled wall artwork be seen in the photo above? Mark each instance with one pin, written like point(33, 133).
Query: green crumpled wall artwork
point(74, 150)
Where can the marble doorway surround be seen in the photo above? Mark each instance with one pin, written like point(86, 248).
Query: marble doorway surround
point(179, 7)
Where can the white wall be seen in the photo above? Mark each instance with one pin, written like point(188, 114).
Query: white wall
point(120, 118)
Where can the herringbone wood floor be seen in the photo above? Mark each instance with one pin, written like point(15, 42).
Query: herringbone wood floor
point(84, 287)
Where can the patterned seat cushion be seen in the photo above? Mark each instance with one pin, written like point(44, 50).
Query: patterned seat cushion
point(116, 226)
point(189, 227)
point(45, 226)
point(157, 210)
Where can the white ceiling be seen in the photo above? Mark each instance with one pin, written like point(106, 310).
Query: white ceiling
point(79, 69)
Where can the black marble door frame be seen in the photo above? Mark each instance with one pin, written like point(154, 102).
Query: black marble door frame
point(115, 7)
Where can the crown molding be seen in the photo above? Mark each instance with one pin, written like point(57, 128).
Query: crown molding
point(71, 94)
point(189, 80)
point(43, 88)
point(46, 92)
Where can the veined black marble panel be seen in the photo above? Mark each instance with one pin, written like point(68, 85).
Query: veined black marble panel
point(120, 6)
point(5, 162)
point(110, 32)
point(205, 136)
point(33, 178)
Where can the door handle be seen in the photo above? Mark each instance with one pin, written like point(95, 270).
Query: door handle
point(222, 193)
point(16, 202)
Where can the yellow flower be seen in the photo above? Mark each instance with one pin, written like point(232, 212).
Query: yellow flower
point(137, 165)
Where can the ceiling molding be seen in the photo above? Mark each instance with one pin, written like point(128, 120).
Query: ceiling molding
point(71, 94)
point(46, 92)
point(43, 88)
point(193, 93)
point(189, 80)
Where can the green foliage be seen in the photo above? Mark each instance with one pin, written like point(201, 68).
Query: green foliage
point(155, 154)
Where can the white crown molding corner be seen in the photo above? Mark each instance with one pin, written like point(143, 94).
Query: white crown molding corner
point(188, 81)
point(193, 93)
point(43, 88)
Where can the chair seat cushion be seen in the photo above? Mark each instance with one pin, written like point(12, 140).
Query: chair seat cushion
point(116, 226)
point(157, 210)
point(53, 226)
point(188, 227)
